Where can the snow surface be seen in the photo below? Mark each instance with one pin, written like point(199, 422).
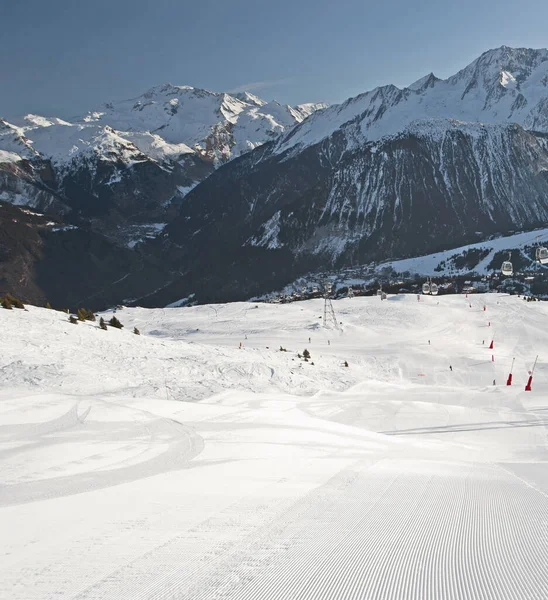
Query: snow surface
point(7, 157)
point(176, 465)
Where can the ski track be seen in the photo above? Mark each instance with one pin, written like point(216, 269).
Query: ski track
point(395, 478)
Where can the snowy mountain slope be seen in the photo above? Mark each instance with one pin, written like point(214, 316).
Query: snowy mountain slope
point(505, 85)
point(167, 122)
point(176, 463)
point(443, 263)
point(13, 143)
point(218, 126)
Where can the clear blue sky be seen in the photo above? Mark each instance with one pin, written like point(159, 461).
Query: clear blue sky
point(63, 57)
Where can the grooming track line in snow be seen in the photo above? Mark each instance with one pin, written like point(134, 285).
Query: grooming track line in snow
point(175, 465)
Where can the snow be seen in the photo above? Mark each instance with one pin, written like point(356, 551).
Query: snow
point(176, 464)
point(507, 80)
point(139, 233)
point(64, 142)
point(270, 231)
point(9, 157)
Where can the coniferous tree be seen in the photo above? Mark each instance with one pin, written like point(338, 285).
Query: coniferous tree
point(102, 324)
point(115, 323)
point(306, 354)
point(48, 305)
point(81, 314)
point(136, 331)
point(73, 320)
point(6, 303)
point(15, 301)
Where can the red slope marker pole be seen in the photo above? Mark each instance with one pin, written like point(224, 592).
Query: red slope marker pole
point(492, 358)
point(509, 380)
point(530, 380)
point(492, 344)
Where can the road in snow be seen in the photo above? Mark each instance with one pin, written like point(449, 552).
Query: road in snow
point(176, 465)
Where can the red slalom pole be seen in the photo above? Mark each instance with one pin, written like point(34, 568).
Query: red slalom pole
point(509, 380)
point(484, 308)
point(492, 344)
point(492, 358)
point(530, 380)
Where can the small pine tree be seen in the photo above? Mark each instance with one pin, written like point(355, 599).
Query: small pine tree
point(306, 354)
point(345, 364)
point(102, 324)
point(115, 323)
point(6, 303)
point(85, 314)
point(73, 320)
point(48, 305)
point(15, 301)
point(136, 331)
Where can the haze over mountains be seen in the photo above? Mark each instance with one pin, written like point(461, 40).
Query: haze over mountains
point(255, 193)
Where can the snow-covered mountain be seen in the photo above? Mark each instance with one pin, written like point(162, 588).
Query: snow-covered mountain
point(165, 123)
point(218, 126)
point(506, 85)
point(391, 173)
point(135, 159)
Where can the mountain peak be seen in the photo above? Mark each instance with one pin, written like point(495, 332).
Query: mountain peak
point(487, 69)
point(423, 83)
point(249, 98)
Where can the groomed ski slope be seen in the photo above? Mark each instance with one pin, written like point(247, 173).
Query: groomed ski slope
point(175, 465)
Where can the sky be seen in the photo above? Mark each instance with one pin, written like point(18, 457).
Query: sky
point(65, 57)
